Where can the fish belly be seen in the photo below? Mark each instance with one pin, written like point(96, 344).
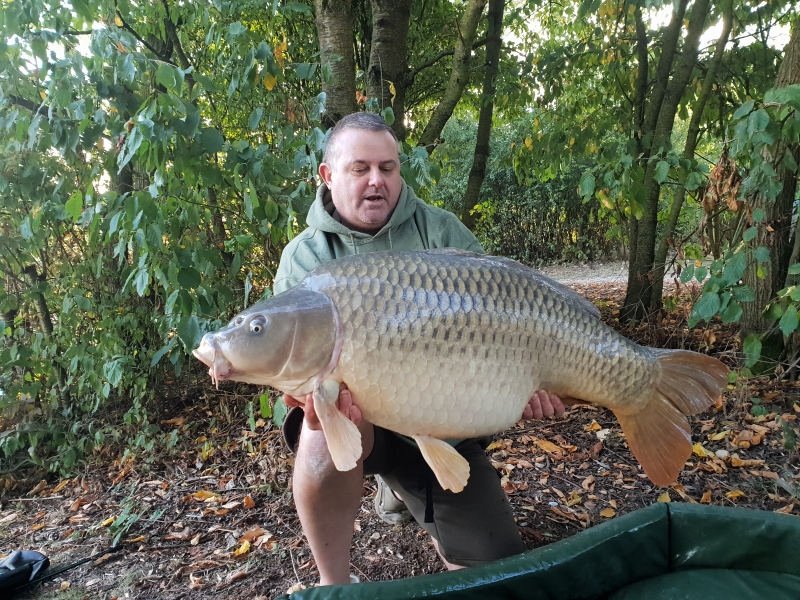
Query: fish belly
point(453, 346)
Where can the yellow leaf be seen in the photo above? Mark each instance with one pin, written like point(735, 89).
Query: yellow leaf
point(719, 436)
point(529, 143)
point(664, 497)
point(571, 142)
point(270, 81)
point(107, 522)
point(280, 51)
point(548, 446)
point(700, 451)
point(243, 549)
point(595, 426)
point(392, 91)
point(608, 513)
point(43, 94)
point(574, 498)
point(698, 263)
point(61, 486)
point(38, 526)
point(732, 495)
point(118, 20)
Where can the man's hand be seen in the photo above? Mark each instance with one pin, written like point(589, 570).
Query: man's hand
point(344, 404)
point(543, 404)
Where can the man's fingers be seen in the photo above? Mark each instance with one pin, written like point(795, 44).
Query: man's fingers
point(291, 401)
point(557, 404)
point(312, 421)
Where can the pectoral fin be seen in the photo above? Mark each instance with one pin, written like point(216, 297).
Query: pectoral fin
point(342, 435)
point(451, 469)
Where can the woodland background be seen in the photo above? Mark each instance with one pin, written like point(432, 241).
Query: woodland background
point(155, 158)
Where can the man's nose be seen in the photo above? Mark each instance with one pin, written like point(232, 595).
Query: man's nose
point(376, 177)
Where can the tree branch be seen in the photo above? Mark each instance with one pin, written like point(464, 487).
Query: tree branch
point(429, 63)
point(132, 31)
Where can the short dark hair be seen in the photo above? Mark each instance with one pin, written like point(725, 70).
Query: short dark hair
point(364, 121)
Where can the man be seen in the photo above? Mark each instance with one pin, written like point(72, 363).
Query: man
point(364, 205)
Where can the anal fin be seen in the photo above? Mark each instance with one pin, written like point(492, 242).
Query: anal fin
point(341, 434)
point(451, 469)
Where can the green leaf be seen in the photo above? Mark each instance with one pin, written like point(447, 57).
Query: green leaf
point(794, 269)
point(661, 171)
point(162, 351)
point(271, 210)
point(707, 306)
point(165, 75)
point(279, 412)
point(700, 274)
point(758, 215)
point(586, 185)
point(255, 118)
point(752, 349)
point(142, 281)
point(743, 293)
point(266, 409)
point(761, 254)
point(743, 110)
point(388, 115)
point(113, 371)
point(788, 321)
point(757, 121)
point(74, 205)
point(773, 312)
point(732, 312)
point(750, 234)
point(211, 139)
point(189, 278)
point(687, 274)
point(189, 332)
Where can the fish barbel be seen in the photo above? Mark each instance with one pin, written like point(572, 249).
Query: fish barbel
point(449, 344)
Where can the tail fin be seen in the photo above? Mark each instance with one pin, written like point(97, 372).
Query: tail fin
point(658, 434)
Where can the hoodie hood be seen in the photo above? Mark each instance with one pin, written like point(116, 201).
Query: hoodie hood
point(323, 216)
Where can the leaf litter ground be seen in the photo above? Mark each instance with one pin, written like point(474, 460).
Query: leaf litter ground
point(215, 517)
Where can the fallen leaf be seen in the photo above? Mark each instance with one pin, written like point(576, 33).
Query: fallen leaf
point(786, 510)
point(231, 505)
point(295, 588)
point(608, 513)
point(563, 514)
point(249, 503)
point(718, 436)
point(732, 495)
point(770, 396)
point(38, 526)
point(251, 534)
point(706, 499)
point(243, 549)
point(61, 486)
point(64, 585)
point(107, 522)
point(179, 535)
point(574, 498)
point(596, 450)
point(738, 462)
point(602, 434)
point(39, 487)
point(177, 421)
point(664, 497)
point(594, 426)
point(9, 518)
point(588, 483)
point(700, 451)
point(548, 447)
point(613, 503)
point(196, 539)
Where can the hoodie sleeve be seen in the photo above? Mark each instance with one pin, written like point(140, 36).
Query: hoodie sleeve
point(445, 230)
point(300, 256)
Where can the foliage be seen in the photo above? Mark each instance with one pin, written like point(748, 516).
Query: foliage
point(533, 221)
point(760, 132)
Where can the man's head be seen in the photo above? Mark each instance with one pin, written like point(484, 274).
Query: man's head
point(361, 168)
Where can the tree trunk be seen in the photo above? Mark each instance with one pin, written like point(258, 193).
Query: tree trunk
point(334, 21)
point(482, 149)
point(467, 28)
point(688, 152)
point(778, 212)
point(388, 61)
point(665, 102)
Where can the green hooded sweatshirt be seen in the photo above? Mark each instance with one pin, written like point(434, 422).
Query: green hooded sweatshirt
point(413, 225)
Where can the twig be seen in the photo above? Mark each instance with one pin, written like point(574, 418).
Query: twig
point(32, 499)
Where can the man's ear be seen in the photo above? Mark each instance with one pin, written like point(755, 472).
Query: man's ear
point(326, 173)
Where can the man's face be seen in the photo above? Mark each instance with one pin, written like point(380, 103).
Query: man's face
point(365, 180)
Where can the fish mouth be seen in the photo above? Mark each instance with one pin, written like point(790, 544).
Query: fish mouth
point(218, 366)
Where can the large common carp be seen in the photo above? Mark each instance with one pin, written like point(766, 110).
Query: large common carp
point(449, 344)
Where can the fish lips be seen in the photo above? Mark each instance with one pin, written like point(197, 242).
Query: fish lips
point(218, 366)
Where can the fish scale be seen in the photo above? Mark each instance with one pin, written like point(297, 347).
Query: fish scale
point(448, 344)
point(513, 338)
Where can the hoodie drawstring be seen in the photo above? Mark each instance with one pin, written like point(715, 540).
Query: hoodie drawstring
point(390, 239)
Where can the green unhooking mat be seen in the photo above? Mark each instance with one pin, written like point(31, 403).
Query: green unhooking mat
point(663, 552)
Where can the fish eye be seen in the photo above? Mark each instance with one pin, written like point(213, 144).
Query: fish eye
point(257, 324)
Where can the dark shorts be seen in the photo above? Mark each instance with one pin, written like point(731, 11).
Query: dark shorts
point(474, 526)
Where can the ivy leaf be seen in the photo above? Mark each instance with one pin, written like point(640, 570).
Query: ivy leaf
point(661, 171)
point(189, 332)
point(789, 321)
point(752, 350)
point(74, 205)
